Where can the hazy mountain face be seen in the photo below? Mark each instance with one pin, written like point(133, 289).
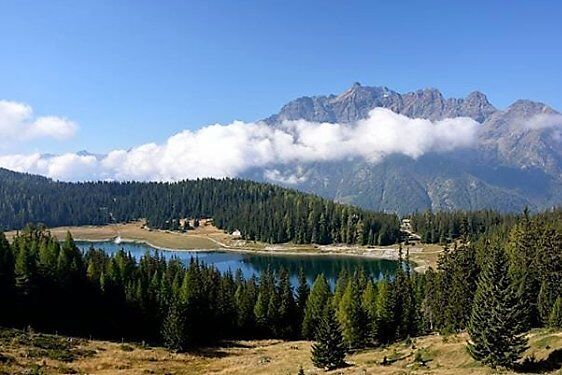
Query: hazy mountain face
point(517, 161)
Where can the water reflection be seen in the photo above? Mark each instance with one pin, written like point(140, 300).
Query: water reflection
point(252, 264)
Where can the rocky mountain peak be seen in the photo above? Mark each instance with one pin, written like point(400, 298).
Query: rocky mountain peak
point(525, 108)
point(356, 102)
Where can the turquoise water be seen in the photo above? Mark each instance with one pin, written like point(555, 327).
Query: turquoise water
point(253, 263)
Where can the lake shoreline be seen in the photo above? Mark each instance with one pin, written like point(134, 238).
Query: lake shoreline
point(210, 238)
point(386, 255)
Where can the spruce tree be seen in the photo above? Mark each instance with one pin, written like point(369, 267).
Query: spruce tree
point(352, 317)
point(287, 315)
point(328, 351)
point(315, 306)
point(174, 335)
point(555, 319)
point(24, 269)
point(369, 304)
point(260, 313)
point(495, 323)
point(385, 321)
point(522, 248)
point(302, 296)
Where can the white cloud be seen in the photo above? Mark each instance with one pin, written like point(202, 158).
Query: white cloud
point(229, 150)
point(545, 120)
point(551, 121)
point(17, 123)
point(288, 178)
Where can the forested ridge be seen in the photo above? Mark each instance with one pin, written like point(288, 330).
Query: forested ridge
point(261, 212)
point(496, 286)
point(445, 226)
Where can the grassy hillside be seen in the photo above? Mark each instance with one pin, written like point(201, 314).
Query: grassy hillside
point(31, 353)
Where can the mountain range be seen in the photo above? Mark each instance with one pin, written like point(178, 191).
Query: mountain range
point(516, 162)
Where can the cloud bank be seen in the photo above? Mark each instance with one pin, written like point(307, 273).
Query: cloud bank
point(230, 150)
point(17, 123)
point(545, 121)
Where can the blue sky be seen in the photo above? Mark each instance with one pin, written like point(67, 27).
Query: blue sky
point(130, 72)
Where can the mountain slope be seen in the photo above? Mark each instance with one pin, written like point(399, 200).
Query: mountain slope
point(259, 211)
point(517, 161)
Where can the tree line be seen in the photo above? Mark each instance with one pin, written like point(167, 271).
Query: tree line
point(497, 287)
point(261, 212)
point(446, 226)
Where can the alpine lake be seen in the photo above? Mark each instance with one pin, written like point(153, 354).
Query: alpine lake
point(253, 263)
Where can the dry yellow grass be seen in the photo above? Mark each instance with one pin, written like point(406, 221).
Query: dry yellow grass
point(207, 237)
point(444, 355)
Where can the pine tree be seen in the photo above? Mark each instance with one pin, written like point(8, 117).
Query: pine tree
point(495, 323)
point(351, 316)
point(329, 349)
point(339, 290)
point(315, 306)
point(555, 319)
point(404, 302)
point(260, 312)
point(288, 318)
point(522, 248)
point(462, 277)
point(174, 335)
point(24, 269)
point(385, 321)
point(302, 296)
point(544, 301)
point(369, 304)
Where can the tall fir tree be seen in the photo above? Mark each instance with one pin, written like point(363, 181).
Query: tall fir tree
point(369, 304)
point(522, 250)
point(288, 319)
point(385, 321)
point(328, 351)
point(317, 302)
point(24, 268)
point(495, 326)
point(174, 334)
point(303, 290)
point(555, 319)
point(352, 317)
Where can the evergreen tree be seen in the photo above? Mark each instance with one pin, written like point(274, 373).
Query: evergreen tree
point(522, 249)
point(174, 335)
point(351, 316)
point(405, 310)
point(555, 319)
point(495, 323)
point(369, 305)
point(317, 302)
point(462, 278)
point(341, 285)
point(265, 303)
point(329, 349)
point(288, 318)
point(24, 269)
point(302, 296)
point(385, 321)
